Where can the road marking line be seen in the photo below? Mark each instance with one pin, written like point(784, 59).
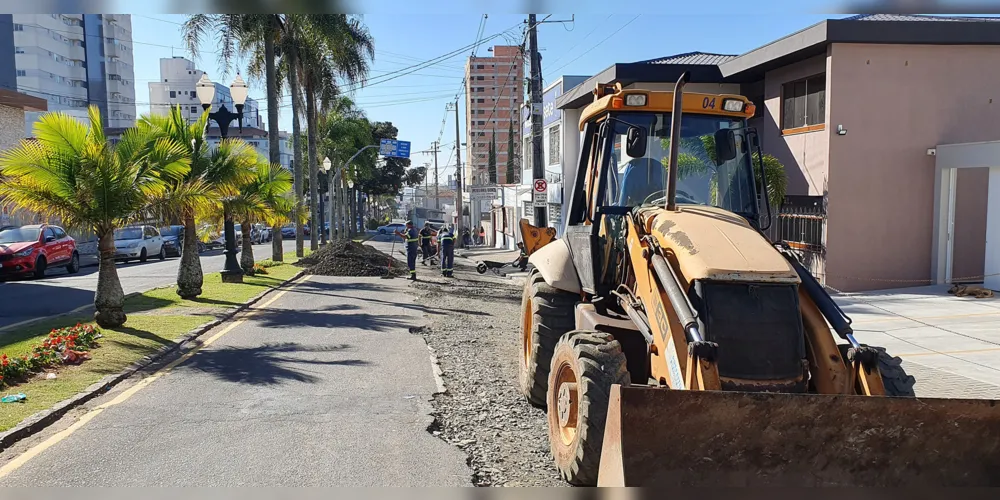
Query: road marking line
point(34, 451)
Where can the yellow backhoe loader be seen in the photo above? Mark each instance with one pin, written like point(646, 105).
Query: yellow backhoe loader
point(673, 344)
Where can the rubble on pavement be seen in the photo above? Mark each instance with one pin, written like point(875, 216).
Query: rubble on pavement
point(340, 258)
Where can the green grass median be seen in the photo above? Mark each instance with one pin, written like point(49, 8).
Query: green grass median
point(155, 318)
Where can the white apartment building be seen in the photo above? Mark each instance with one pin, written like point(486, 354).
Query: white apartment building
point(76, 60)
point(176, 87)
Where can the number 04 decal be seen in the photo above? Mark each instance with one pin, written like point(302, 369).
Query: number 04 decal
point(708, 103)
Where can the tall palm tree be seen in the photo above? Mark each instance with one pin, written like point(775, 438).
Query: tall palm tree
point(338, 45)
point(74, 173)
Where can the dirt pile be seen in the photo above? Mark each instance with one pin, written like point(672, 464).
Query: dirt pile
point(350, 259)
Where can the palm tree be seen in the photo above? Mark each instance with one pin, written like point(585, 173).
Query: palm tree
point(258, 34)
point(341, 46)
point(262, 190)
point(186, 196)
point(74, 173)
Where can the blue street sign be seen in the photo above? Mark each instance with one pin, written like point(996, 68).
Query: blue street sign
point(394, 148)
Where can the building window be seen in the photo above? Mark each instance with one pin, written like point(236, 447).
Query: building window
point(173, 94)
point(21, 72)
point(554, 145)
point(482, 122)
point(18, 27)
point(19, 50)
point(194, 109)
point(804, 104)
point(480, 101)
point(481, 111)
point(482, 89)
point(480, 77)
point(480, 66)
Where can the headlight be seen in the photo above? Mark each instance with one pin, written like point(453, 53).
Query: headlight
point(24, 253)
point(635, 100)
point(133, 244)
point(733, 105)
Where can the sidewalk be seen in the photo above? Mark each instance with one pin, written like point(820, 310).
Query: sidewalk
point(323, 387)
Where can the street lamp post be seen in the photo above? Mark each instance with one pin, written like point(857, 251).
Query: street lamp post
point(351, 209)
point(205, 89)
point(327, 164)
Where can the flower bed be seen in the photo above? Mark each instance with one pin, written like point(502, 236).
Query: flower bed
point(63, 346)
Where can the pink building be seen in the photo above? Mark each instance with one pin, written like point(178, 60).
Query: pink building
point(856, 110)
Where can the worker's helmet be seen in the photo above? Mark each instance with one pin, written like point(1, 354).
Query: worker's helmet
point(409, 223)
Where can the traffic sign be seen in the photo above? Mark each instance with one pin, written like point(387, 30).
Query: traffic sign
point(541, 186)
point(394, 148)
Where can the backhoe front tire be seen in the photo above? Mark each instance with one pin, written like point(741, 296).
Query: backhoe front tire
point(585, 364)
point(546, 314)
point(894, 377)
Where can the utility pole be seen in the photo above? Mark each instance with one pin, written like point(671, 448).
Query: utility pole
point(458, 173)
point(437, 200)
point(537, 165)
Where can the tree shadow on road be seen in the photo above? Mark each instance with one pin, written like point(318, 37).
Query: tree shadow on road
point(268, 364)
point(331, 317)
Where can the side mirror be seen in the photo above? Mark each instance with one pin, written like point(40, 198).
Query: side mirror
point(50, 239)
point(725, 146)
point(635, 142)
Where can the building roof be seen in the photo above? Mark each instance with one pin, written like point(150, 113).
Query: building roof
point(22, 101)
point(918, 17)
point(803, 44)
point(692, 58)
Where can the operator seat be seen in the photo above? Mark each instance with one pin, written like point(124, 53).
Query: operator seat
point(643, 177)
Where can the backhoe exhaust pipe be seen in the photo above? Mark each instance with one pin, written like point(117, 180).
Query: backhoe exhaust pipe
point(675, 137)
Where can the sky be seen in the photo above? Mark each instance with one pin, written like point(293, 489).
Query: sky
point(415, 103)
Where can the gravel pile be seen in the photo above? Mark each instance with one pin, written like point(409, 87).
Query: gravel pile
point(476, 343)
point(350, 259)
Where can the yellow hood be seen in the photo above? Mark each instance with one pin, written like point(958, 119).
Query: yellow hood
point(712, 243)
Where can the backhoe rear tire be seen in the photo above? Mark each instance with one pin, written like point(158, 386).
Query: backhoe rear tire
point(546, 314)
point(585, 364)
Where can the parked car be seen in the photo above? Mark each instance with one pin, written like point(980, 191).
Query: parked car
point(173, 240)
point(138, 242)
point(391, 228)
point(260, 234)
point(33, 249)
point(288, 231)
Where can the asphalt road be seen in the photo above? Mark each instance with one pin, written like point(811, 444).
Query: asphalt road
point(323, 387)
point(58, 292)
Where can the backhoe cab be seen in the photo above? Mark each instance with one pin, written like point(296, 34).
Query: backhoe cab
point(673, 344)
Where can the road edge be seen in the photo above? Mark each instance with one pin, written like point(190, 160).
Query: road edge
point(39, 421)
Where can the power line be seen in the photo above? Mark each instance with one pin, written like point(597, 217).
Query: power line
point(597, 44)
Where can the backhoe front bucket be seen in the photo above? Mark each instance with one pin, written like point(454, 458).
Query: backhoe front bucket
point(663, 437)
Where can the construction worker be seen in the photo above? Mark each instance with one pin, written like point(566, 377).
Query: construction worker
point(447, 239)
point(425, 242)
point(410, 236)
point(522, 259)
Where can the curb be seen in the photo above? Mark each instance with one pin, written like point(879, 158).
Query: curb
point(45, 418)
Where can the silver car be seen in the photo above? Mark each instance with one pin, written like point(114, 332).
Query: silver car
point(138, 242)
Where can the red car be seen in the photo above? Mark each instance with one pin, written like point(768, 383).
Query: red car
point(33, 249)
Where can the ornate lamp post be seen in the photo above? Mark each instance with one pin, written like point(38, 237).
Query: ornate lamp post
point(205, 89)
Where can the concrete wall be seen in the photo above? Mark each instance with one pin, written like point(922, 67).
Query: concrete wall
point(896, 102)
point(804, 155)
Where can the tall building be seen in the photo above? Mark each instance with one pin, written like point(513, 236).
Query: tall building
point(176, 87)
point(495, 94)
point(74, 61)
